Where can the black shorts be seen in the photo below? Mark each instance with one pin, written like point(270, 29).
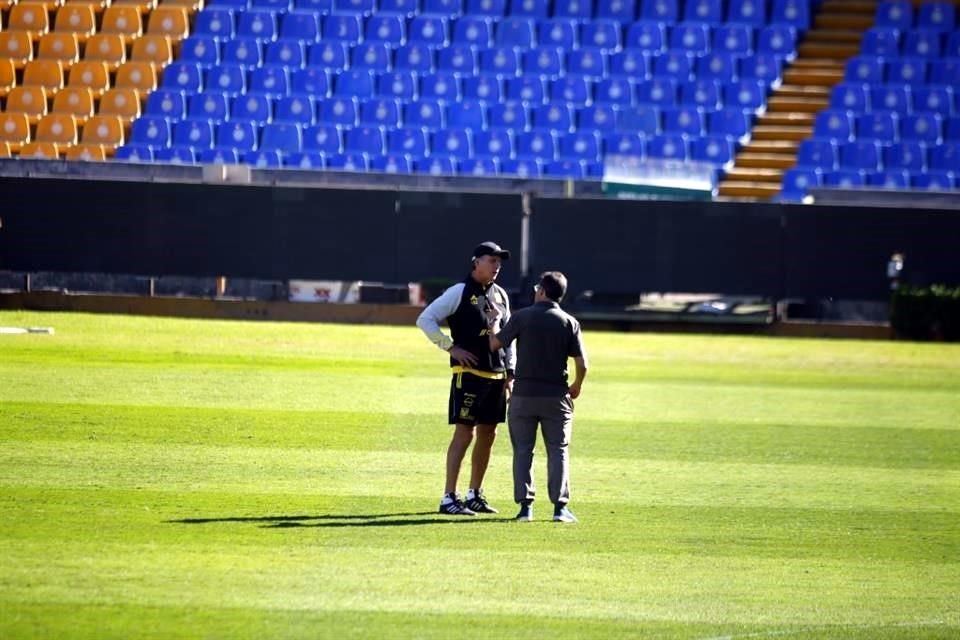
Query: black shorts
point(477, 400)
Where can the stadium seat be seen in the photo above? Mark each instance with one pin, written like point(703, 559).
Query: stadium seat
point(328, 55)
point(890, 179)
point(745, 94)
point(795, 13)
point(613, 90)
point(467, 114)
point(544, 61)
point(849, 97)
point(359, 7)
point(515, 31)
point(297, 108)
point(105, 130)
point(733, 123)
point(391, 164)
point(661, 10)
point(380, 112)
point(498, 60)
point(238, 135)
point(425, 113)
point(932, 181)
point(322, 138)
point(715, 150)
point(935, 98)
point(122, 20)
point(658, 91)
point(945, 157)
point(706, 11)
point(29, 100)
point(446, 8)
point(536, 144)
point(409, 142)
point(246, 52)
point(284, 137)
point(817, 153)
point(649, 36)
point(47, 74)
point(845, 178)
point(151, 131)
point(669, 146)
point(288, 53)
point(263, 159)
point(493, 8)
point(388, 29)
point(940, 16)
point(456, 143)
point(751, 12)
point(338, 111)
point(579, 145)
point(300, 26)
point(440, 86)
point(200, 49)
point(686, 121)
point(477, 166)
point(397, 84)
point(877, 125)
point(509, 115)
point(571, 169)
point(64, 47)
point(587, 61)
point(529, 8)
point(497, 143)
point(946, 71)
point(183, 76)
point(626, 144)
point(909, 155)
point(644, 119)
point(890, 97)
point(881, 42)
point(40, 150)
point(215, 22)
point(860, 155)
point(78, 19)
point(630, 63)
point(557, 32)
point(572, 89)
point(356, 83)
point(77, 101)
point(581, 10)
point(690, 37)
point(168, 103)
point(553, 117)
point(374, 56)
point(344, 28)
point(833, 124)
point(134, 153)
point(169, 20)
point(259, 24)
point(907, 71)
point(623, 11)
point(257, 107)
point(522, 167)
point(138, 75)
point(273, 80)
point(29, 17)
point(600, 117)
point(59, 128)
point(429, 29)
point(14, 130)
point(364, 140)
point(457, 58)
point(86, 153)
point(17, 47)
point(761, 66)
point(716, 66)
point(676, 65)
point(218, 156)
point(779, 40)
point(442, 166)
point(923, 126)
point(230, 79)
point(894, 14)
point(529, 88)
point(601, 33)
point(122, 102)
point(482, 87)
point(704, 94)
point(211, 104)
point(194, 133)
point(922, 43)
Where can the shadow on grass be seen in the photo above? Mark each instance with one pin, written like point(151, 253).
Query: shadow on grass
point(355, 520)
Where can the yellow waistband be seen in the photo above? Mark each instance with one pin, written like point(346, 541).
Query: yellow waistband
point(489, 375)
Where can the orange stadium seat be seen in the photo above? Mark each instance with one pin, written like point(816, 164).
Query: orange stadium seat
point(108, 48)
point(6, 4)
point(59, 128)
point(5, 149)
point(76, 18)
point(141, 76)
point(141, 6)
point(64, 47)
point(87, 152)
point(98, 5)
point(155, 48)
point(123, 20)
point(17, 46)
point(44, 73)
point(169, 21)
point(29, 17)
point(192, 6)
point(8, 76)
point(14, 130)
point(104, 130)
point(120, 102)
point(50, 6)
point(29, 100)
point(75, 101)
point(90, 74)
point(40, 150)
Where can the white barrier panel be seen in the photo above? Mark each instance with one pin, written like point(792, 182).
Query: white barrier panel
point(324, 291)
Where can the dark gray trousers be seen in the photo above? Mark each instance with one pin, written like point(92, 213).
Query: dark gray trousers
point(554, 416)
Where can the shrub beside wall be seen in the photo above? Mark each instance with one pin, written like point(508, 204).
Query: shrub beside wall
point(926, 313)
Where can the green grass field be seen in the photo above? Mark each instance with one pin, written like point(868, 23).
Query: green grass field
point(202, 479)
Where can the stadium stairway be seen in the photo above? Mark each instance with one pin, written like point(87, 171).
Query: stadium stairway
point(838, 27)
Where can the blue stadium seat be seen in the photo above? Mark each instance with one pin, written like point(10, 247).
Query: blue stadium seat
point(630, 63)
point(745, 94)
point(342, 27)
point(391, 163)
point(374, 56)
point(716, 66)
point(218, 156)
point(952, 49)
point(252, 106)
point(356, 162)
point(946, 71)
point(270, 79)
point(304, 160)
point(232, 5)
point(733, 123)
point(424, 113)
point(779, 40)
point(497, 143)
point(669, 146)
point(936, 15)
point(623, 11)
point(676, 65)
point(751, 12)
point(527, 88)
point(599, 117)
point(509, 115)
point(845, 178)
point(200, 49)
point(494, 8)
point(466, 114)
point(322, 7)
point(647, 35)
point(909, 155)
point(455, 143)
point(410, 142)
point(285, 137)
point(865, 70)
point(440, 86)
point(834, 124)
point(922, 43)
point(579, 145)
point(570, 89)
point(586, 61)
point(402, 8)
point(151, 131)
point(795, 13)
point(288, 53)
point(215, 22)
point(210, 105)
point(441, 166)
point(482, 87)
point(544, 61)
point(500, 61)
point(907, 71)
point(414, 57)
point(613, 90)
point(365, 140)
point(184, 76)
point(458, 58)
point(881, 41)
point(661, 10)
point(701, 93)
point(303, 26)
point(572, 169)
point(932, 180)
point(390, 29)
point(260, 24)
point(708, 11)
point(530, 8)
point(798, 180)
point(715, 150)
point(936, 98)
point(322, 138)
point(246, 52)
point(890, 97)
point(557, 32)
point(894, 14)
point(554, 116)
point(265, 159)
point(952, 128)
point(600, 33)
point(475, 31)
point(850, 96)
point(169, 103)
point(624, 144)
point(380, 112)
point(658, 91)
point(430, 29)
point(279, 6)
point(860, 154)
point(536, 144)
point(683, 120)
point(298, 108)
point(765, 67)
point(338, 110)
point(945, 157)
point(923, 126)
point(401, 85)
point(890, 179)
point(522, 167)
point(817, 153)
point(515, 31)
point(230, 79)
point(354, 83)
point(446, 8)
point(574, 9)
point(312, 81)
point(477, 166)
point(877, 125)
point(237, 134)
point(690, 37)
point(193, 132)
point(175, 155)
point(360, 7)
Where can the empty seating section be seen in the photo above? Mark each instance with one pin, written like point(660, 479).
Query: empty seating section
point(894, 120)
point(79, 73)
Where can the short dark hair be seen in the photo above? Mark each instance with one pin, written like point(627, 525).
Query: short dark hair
point(554, 285)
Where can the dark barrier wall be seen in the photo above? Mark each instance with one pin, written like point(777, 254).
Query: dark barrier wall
point(605, 245)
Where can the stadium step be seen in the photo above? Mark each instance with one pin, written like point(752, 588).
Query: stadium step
point(789, 118)
point(755, 160)
point(780, 132)
point(777, 103)
point(843, 21)
point(814, 76)
point(801, 91)
point(831, 35)
point(828, 50)
point(757, 174)
point(782, 147)
point(752, 190)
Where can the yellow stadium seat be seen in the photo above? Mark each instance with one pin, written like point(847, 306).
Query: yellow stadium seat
point(120, 102)
point(32, 17)
point(87, 152)
point(153, 48)
point(75, 101)
point(192, 5)
point(6, 4)
point(104, 130)
point(40, 150)
point(5, 149)
point(141, 76)
point(123, 20)
point(29, 100)
point(49, 5)
point(107, 48)
point(64, 47)
point(44, 73)
point(14, 130)
point(8, 76)
point(169, 21)
point(76, 18)
point(98, 5)
point(60, 128)
point(17, 46)
point(90, 74)
point(141, 6)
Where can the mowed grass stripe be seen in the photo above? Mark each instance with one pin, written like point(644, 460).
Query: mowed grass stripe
point(713, 439)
